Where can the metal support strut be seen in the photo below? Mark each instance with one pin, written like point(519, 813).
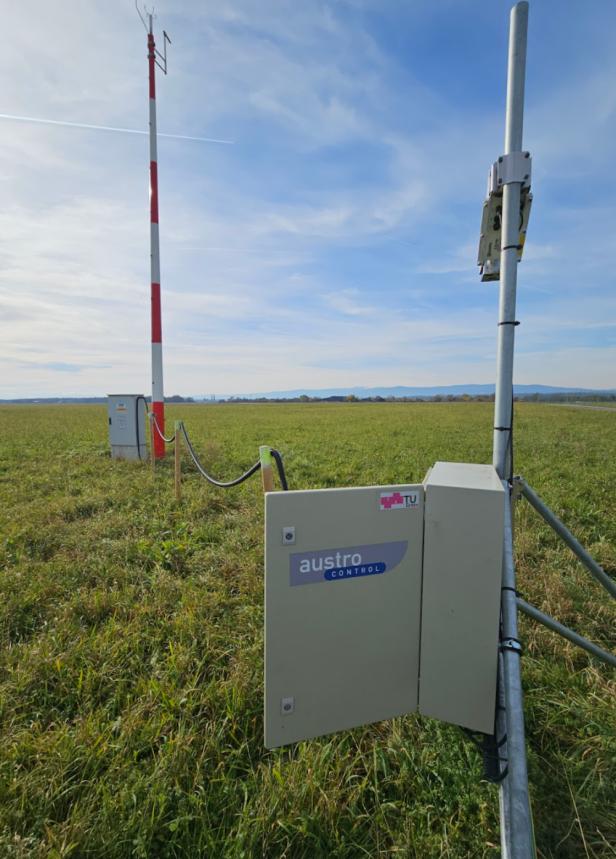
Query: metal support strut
point(567, 633)
point(565, 534)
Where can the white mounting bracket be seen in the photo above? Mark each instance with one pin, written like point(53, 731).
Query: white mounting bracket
point(515, 167)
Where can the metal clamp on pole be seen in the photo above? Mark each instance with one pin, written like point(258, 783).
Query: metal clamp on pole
point(512, 167)
point(511, 644)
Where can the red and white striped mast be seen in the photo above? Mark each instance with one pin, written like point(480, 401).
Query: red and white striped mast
point(158, 399)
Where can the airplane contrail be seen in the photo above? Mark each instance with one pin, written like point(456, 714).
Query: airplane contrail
point(110, 128)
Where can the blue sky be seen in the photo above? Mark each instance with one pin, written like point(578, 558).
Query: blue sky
point(333, 243)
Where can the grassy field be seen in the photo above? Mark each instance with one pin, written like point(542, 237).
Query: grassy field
point(131, 646)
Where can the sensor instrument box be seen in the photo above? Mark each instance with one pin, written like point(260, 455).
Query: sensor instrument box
point(127, 426)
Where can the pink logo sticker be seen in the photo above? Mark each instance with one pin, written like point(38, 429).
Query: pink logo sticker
point(398, 500)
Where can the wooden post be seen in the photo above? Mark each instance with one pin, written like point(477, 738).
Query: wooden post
point(152, 457)
point(267, 474)
point(178, 472)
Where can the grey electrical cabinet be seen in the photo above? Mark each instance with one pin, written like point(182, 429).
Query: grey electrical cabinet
point(462, 569)
point(342, 608)
point(127, 426)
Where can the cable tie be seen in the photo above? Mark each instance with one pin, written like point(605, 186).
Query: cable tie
point(512, 247)
point(512, 322)
point(503, 429)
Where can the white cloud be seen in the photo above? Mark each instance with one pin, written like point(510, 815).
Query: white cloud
point(347, 302)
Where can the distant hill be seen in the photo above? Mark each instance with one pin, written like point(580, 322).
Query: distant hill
point(400, 391)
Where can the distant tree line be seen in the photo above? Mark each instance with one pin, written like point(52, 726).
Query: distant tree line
point(437, 398)
point(352, 398)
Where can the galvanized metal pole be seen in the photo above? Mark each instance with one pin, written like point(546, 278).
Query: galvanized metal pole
point(517, 837)
point(158, 399)
point(510, 235)
point(519, 842)
point(502, 752)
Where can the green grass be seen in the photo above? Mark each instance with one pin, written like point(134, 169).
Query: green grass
point(131, 646)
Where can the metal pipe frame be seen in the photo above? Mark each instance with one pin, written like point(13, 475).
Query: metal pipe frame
point(565, 534)
point(561, 629)
point(517, 837)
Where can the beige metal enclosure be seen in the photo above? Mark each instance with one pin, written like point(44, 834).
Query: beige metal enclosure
point(464, 524)
point(342, 608)
point(357, 579)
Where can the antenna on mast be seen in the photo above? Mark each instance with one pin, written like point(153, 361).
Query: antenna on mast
point(141, 16)
point(162, 65)
point(163, 57)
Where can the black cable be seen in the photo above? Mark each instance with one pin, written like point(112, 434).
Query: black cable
point(279, 465)
point(510, 442)
point(225, 484)
point(488, 747)
point(145, 403)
